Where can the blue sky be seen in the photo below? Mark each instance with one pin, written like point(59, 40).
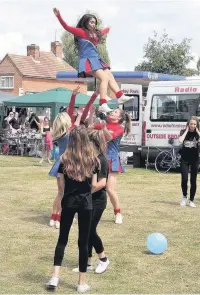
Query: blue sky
point(23, 22)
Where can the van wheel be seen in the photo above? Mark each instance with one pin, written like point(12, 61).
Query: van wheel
point(136, 160)
point(142, 162)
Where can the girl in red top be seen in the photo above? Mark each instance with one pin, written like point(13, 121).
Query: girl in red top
point(114, 132)
point(87, 36)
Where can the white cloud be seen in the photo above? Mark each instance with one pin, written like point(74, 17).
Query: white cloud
point(11, 40)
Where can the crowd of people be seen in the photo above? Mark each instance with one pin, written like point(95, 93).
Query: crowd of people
point(16, 121)
point(23, 122)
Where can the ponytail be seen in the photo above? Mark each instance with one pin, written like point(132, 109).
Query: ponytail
point(125, 117)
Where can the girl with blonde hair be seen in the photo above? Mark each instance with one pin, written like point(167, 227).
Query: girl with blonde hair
point(61, 127)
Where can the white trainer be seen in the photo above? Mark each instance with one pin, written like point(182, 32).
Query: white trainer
point(183, 202)
point(57, 224)
point(192, 204)
point(102, 266)
point(124, 98)
point(89, 268)
point(51, 222)
point(52, 284)
point(104, 108)
point(118, 218)
point(83, 288)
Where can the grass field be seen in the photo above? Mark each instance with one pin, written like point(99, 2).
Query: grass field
point(149, 202)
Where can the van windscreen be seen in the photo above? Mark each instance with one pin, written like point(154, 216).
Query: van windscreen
point(132, 108)
point(174, 108)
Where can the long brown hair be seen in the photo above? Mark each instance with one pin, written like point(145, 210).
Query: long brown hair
point(125, 117)
point(195, 119)
point(79, 159)
point(98, 140)
point(83, 24)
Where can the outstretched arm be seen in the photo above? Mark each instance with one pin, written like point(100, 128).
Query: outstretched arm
point(78, 32)
point(79, 116)
point(70, 109)
point(88, 105)
point(105, 31)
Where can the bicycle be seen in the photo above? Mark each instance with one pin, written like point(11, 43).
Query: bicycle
point(167, 160)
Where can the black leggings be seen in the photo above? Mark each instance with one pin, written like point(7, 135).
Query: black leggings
point(193, 178)
point(84, 222)
point(94, 240)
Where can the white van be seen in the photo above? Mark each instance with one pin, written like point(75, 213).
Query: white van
point(131, 144)
point(169, 105)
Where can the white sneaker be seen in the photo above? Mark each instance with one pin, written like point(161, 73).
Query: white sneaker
point(51, 222)
point(124, 98)
point(52, 284)
point(75, 217)
point(57, 224)
point(183, 202)
point(76, 269)
point(192, 204)
point(118, 218)
point(102, 266)
point(104, 108)
point(83, 288)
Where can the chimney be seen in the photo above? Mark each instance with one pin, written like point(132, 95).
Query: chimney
point(34, 51)
point(56, 48)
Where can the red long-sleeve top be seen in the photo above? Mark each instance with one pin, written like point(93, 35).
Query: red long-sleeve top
point(71, 107)
point(78, 32)
point(115, 128)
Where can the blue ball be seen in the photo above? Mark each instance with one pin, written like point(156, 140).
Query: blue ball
point(156, 243)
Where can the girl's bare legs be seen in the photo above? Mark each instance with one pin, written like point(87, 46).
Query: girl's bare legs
point(103, 77)
point(49, 156)
point(43, 154)
point(111, 190)
point(55, 216)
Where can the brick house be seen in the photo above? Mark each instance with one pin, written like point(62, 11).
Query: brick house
point(35, 72)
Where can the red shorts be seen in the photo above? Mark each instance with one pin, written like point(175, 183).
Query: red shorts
point(89, 69)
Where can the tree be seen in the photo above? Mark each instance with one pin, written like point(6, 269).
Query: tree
point(70, 54)
point(163, 55)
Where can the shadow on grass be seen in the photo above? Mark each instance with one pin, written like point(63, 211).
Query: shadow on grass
point(40, 219)
point(146, 252)
point(42, 279)
point(167, 202)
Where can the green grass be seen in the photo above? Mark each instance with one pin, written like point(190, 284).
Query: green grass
point(149, 202)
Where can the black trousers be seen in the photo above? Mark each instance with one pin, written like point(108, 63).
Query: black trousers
point(193, 178)
point(94, 240)
point(84, 222)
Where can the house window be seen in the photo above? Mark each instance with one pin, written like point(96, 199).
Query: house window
point(6, 82)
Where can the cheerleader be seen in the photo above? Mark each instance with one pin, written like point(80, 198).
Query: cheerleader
point(114, 131)
point(61, 127)
point(86, 37)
